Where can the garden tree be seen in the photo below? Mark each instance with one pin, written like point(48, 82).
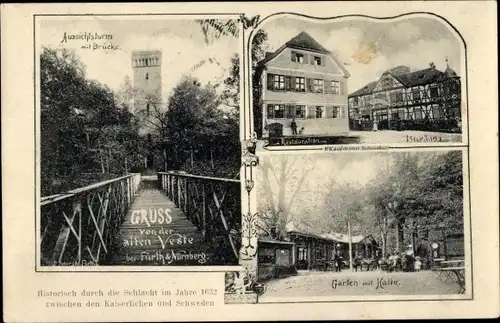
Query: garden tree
point(443, 197)
point(282, 187)
point(78, 121)
point(421, 192)
point(406, 186)
point(343, 209)
point(379, 194)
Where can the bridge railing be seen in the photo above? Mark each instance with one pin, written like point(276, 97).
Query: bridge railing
point(79, 227)
point(212, 204)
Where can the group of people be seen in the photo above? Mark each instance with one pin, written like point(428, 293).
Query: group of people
point(405, 261)
point(395, 261)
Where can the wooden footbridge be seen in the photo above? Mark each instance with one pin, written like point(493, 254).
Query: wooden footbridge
point(172, 219)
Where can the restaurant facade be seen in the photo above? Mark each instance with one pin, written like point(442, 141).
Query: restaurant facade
point(401, 99)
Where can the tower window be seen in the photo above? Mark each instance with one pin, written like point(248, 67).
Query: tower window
point(147, 76)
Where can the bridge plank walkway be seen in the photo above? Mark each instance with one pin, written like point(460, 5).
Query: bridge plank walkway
point(147, 237)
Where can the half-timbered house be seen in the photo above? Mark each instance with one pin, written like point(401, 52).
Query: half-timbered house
point(401, 99)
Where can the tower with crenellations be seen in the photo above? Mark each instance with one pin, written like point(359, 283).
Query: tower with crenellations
point(147, 85)
point(147, 81)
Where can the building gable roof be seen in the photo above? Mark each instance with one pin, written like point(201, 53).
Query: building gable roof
point(305, 42)
point(303, 229)
point(367, 89)
point(421, 77)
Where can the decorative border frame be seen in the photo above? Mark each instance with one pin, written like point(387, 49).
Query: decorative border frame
point(36, 117)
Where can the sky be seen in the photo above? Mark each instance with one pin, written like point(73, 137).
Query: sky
point(369, 47)
point(181, 41)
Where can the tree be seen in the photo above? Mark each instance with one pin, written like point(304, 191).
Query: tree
point(232, 82)
point(85, 134)
point(195, 126)
point(418, 193)
point(344, 206)
point(282, 183)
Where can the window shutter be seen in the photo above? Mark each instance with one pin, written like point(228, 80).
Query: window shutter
point(329, 112)
point(292, 83)
point(343, 87)
point(294, 57)
point(287, 83)
point(328, 86)
point(311, 112)
point(291, 111)
point(311, 59)
point(270, 111)
point(270, 81)
point(309, 85)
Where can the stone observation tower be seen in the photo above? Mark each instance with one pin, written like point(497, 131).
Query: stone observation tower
point(147, 95)
point(147, 81)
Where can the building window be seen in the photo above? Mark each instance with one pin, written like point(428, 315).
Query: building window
point(319, 112)
point(387, 82)
point(147, 110)
point(279, 111)
point(275, 111)
point(434, 92)
point(355, 101)
point(147, 76)
point(396, 96)
point(381, 96)
point(279, 82)
point(300, 84)
point(320, 252)
point(317, 60)
point(416, 94)
point(302, 253)
point(300, 111)
point(418, 113)
point(436, 112)
point(335, 87)
point(297, 57)
point(318, 86)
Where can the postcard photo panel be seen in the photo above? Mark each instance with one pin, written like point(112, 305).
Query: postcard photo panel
point(139, 140)
point(363, 225)
point(358, 80)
